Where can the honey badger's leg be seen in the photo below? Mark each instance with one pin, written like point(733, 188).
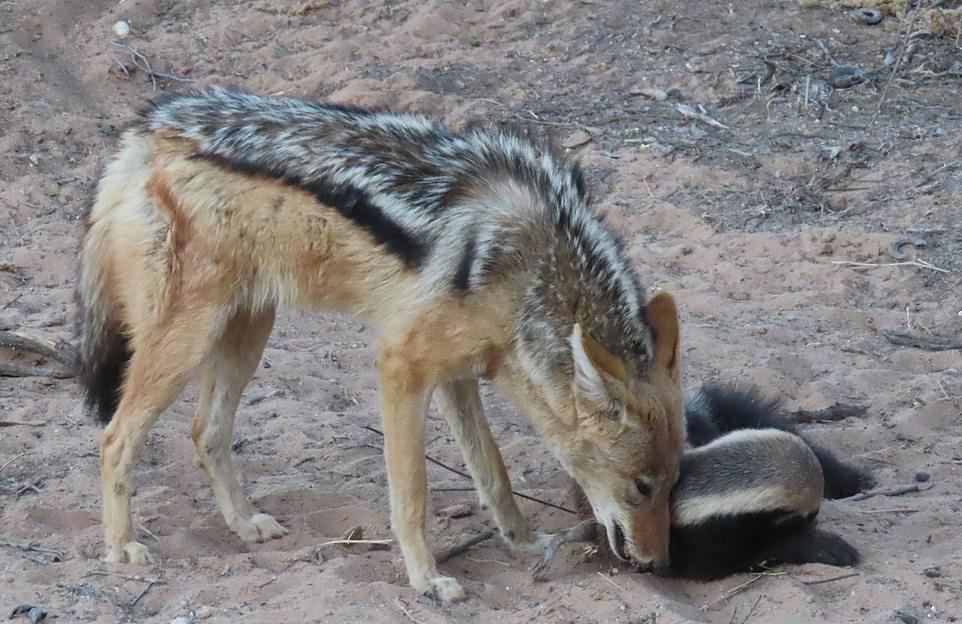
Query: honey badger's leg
point(163, 359)
point(232, 363)
point(460, 402)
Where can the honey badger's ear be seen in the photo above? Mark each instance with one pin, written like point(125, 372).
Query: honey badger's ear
point(600, 376)
point(662, 316)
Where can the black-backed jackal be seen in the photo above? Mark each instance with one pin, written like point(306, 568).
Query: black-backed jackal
point(476, 255)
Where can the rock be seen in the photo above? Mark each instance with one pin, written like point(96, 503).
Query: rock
point(845, 76)
point(921, 476)
point(121, 29)
point(202, 613)
point(461, 510)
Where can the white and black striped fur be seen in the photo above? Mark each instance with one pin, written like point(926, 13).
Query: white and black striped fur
point(750, 489)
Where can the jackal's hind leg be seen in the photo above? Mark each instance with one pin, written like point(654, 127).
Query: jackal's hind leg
point(157, 372)
point(232, 363)
point(460, 402)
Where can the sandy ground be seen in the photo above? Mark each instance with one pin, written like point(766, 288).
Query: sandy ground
point(742, 220)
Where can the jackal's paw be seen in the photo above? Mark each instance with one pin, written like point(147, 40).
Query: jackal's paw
point(527, 542)
point(445, 589)
point(260, 528)
point(131, 552)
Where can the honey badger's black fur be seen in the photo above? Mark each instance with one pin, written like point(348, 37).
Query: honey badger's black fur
point(719, 409)
point(732, 541)
point(737, 438)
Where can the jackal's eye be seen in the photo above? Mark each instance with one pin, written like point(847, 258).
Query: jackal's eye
point(643, 488)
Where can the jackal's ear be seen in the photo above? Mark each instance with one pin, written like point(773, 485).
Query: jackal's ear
point(662, 316)
point(600, 376)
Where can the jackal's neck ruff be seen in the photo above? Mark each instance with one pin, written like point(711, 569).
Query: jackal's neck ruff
point(469, 213)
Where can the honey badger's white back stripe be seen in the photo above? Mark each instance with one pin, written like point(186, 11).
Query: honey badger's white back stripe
point(758, 499)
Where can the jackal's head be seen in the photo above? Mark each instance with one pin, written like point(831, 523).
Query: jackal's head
point(629, 438)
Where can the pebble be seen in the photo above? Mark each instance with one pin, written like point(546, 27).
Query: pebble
point(121, 29)
point(866, 16)
point(921, 476)
point(202, 613)
point(845, 76)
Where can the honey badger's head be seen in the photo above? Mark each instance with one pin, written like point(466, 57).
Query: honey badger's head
point(626, 451)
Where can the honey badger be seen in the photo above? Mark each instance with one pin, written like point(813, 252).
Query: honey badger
point(750, 488)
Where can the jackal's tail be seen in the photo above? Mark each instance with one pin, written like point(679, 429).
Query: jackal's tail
point(104, 348)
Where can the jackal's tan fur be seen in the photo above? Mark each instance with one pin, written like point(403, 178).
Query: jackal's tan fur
point(476, 256)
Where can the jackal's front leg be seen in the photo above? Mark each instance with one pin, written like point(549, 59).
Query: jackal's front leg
point(460, 402)
point(405, 394)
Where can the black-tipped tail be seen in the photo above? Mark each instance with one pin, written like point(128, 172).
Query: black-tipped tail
point(102, 372)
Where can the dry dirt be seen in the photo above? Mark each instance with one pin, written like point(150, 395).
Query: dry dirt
point(742, 219)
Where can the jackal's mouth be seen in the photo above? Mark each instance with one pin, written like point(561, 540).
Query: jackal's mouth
point(619, 544)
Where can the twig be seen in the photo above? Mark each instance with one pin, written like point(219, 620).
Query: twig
point(582, 532)
point(838, 411)
point(404, 610)
point(55, 554)
point(59, 351)
point(135, 56)
point(467, 476)
point(457, 549)
point(351, 542)
point(607, 578)
point(11, 460)
point(895, 491)
point(884, 511)
point(139, 579)
point(832, 579)
point(20, 423)
point(898, 64)
point(828, 55)
point(922, 264)
point(690, 112)
point(733, 592)
point(918, 341)
point(15, 370)
point(133, 603)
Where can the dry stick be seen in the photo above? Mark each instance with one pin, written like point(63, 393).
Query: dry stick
point(895, 491)
point(15, 370)
point(467, 476)
point(407, 613)
point(833, 579)
point(898, 64)
point(351, 542)
point(11, 460)
point(838, 411)
point(56, 554)
point(20, 423)
point(133, 603)
point(135, 55)
point(733, 592)
point(457, 549)
point(928, 343)
point(59, 351)
point(582, 532)
point(922, 264)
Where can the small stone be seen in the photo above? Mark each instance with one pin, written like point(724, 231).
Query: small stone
point(933, 572)
point(461, 510)
point(202, 613)
point(867, 16)
point(121, 29)
point(921, 476)
point(845, 76)
point(905, 617)
point(182, 620)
